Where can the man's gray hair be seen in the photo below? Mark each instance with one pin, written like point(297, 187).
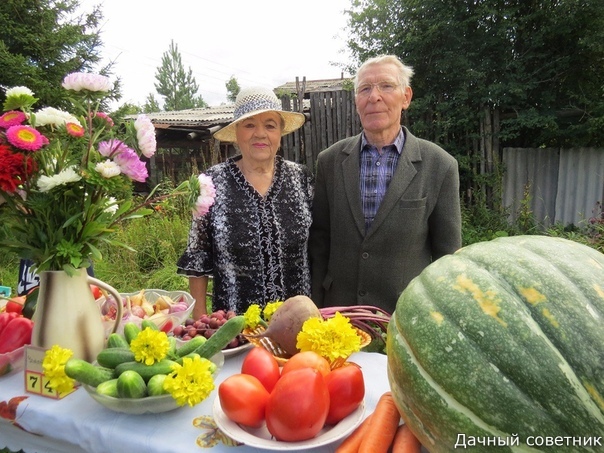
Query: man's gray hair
point(404, 72)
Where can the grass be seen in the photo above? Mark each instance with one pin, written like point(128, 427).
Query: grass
point(156, 242)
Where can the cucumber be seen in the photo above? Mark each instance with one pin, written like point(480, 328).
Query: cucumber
point(87, 373)
point(172, 350)
point(116, 340)
point(190, 345)
point(155, 386)
point(222, 337)
point(148, 323)
point(131, 330)
point(108, 388)
point(190, 355)
point(112, 357)
point(146, 371)
point(130, 384)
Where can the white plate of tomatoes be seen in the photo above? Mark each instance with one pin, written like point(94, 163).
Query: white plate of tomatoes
point(230, 352)
point(261, 438)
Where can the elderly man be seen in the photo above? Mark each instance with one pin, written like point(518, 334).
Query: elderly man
point(386, 202)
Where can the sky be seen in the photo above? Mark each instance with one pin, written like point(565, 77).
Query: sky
point(261, 42)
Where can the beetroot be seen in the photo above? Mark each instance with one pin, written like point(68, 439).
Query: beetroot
point(287, 321)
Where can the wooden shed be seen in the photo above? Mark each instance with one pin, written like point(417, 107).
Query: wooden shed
point(185, 136)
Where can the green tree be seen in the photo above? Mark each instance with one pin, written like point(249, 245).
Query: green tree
point(177, 86)
point(41, 41)
point(493, 73)
point(233, 89)
point(151, 104)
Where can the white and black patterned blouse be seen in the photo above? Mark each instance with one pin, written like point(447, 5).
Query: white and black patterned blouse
point(255, 247)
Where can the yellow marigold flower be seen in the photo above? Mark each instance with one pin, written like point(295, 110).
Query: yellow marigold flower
point(192, 382)
point(150, 346)
point(54, 369)
point(270, 309)
point(252, 316)
point(333, 338)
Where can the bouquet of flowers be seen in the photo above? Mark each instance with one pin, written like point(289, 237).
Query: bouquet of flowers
point(66, 178)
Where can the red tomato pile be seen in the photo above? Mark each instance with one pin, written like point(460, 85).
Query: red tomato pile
point(295, 401)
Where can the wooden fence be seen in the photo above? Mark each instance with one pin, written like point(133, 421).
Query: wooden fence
point(331, 116)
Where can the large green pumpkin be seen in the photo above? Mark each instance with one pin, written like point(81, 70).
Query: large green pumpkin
point(503, 342)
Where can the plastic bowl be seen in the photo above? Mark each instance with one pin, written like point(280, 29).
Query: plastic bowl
point(12, 361)
point(166, 320)
point(148, 404)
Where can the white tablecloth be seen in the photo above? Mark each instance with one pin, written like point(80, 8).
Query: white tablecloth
point(78, 423)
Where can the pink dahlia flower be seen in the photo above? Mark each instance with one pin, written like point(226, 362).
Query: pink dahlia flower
point(145, 135)
point(78, 81)
point(207, 194)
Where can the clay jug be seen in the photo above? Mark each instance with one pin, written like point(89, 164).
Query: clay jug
point(67, 314)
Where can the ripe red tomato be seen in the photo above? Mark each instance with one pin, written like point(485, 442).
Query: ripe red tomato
point(298, 405)
point(260, 363)
point(243, 399)
point(307, 359)
point(346, 391)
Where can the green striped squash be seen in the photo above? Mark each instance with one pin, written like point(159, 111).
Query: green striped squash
point(503, 340)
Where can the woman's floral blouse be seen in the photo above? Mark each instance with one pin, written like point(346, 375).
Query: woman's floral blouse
point(254, 246)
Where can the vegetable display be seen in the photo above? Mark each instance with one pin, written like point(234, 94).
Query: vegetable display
point(302, 401)
point(206, 326)
point(287, 322)
point(137, 363)
point(503, 339)
point(166, 309)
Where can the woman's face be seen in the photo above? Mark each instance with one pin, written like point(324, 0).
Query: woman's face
point(259, 136)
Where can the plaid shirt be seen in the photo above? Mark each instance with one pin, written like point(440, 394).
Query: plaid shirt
point(376, 172)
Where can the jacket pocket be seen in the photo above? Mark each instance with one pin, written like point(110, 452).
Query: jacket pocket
point(413, 204)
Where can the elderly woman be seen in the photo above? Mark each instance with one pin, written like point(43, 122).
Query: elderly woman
point(254, 239)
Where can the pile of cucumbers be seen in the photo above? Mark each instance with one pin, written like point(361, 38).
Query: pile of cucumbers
point(117, 374)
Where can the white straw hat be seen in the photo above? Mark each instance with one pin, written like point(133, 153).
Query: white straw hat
point(255, 100)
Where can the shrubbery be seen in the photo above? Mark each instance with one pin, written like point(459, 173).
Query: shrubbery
point(155, 243)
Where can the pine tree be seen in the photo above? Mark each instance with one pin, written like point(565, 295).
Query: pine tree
point(177, 86)
point(233, 89)
point(42, 41)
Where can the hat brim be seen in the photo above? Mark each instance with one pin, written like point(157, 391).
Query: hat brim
point(291, 121)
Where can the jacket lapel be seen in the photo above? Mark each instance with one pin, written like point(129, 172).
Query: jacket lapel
point(402, 177)
point(350, 175)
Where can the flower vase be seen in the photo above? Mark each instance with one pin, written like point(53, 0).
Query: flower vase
point(67, 315)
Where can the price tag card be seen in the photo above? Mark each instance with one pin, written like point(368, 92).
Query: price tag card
point(35, 380)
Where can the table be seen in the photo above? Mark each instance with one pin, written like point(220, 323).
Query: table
point(78, 424)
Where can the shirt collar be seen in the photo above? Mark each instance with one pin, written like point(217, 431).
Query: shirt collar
point(399, 142)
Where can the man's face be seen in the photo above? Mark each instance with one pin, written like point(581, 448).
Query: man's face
point(380, 99)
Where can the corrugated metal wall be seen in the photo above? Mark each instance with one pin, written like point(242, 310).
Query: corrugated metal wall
point(564, 184)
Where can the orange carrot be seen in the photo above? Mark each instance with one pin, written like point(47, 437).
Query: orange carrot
point(384, 423)
point(405, 441)
point(352, 442)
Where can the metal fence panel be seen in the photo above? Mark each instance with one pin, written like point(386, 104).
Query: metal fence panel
point(564, 185)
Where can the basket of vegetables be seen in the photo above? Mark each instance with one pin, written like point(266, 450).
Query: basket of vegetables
point(297, 324)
